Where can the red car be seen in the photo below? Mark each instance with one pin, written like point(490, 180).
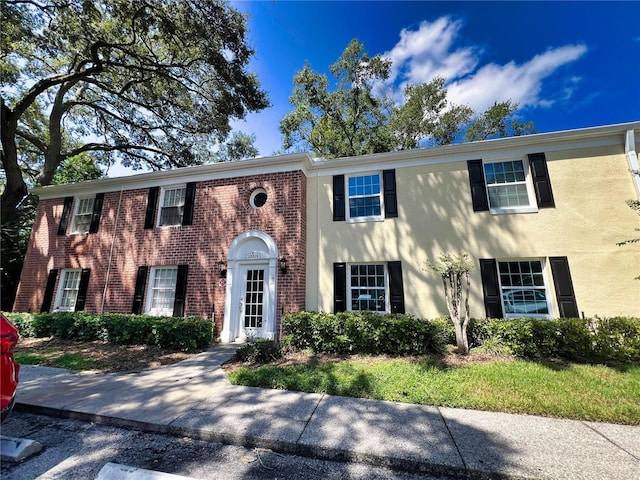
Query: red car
point(9, 369)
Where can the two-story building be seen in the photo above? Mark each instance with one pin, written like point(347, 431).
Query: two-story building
point(242, 242)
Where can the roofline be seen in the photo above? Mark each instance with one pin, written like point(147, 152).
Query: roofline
point(241, 168)
point(500, 147)
point(485, 149)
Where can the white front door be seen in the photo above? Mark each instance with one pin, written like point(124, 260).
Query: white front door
point(250, 297)
point(253, 300)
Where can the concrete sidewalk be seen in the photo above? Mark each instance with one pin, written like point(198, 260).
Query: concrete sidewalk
point(194, 398)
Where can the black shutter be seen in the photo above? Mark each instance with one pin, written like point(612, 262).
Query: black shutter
point(49, 290)
point(138, 294)
point(478, 188)
point(338, 198)
point(189, 201)
point(339, 287)
point(390, 196)
point(564, 287)
point(82, 289)
point(152, 203)
point(97, 211)
point(491, 288)
point(66, 213)
point(541, 180)
point(181, 291)
point(396, 287)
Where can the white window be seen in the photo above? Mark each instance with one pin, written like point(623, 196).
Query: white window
point(365, 197)
point(162, 290)
point(82, 215)
point(172, 206)
point(523, 288)
point(508, 188)
point(68, 290)
point(368, 287)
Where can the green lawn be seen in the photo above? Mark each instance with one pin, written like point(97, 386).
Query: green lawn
point(72, 361)
point(583, 392)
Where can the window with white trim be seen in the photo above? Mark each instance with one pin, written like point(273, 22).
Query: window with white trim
point(367, 287)
point(68, 289)
point(162, 290)
point(507, 186)
point(172, 206)
point(82, 215)
point(523, 289)
point(365, 197)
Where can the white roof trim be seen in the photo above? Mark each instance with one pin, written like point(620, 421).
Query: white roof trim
point(486, 150)
point(241, 168)
point(632, 157)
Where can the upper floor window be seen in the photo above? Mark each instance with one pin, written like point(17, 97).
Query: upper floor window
point(365, 197)
point(506, 184)
point(511, 186)
point(523, 288)
point(83, 213)
point(82, 216)
point(175, 205)
point(172, 206)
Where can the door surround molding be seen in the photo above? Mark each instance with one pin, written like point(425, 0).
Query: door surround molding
point(253, 247)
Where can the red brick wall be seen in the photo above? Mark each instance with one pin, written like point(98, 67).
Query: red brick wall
point(222, 212)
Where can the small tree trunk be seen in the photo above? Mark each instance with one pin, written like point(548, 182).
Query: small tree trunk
point(461, 337)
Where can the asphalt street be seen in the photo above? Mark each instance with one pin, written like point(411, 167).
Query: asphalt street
point(77, 450)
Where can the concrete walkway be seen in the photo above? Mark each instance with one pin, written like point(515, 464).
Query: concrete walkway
point(194, 398)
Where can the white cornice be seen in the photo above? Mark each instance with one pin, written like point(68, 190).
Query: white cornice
point(242, 168)
point(487, 149)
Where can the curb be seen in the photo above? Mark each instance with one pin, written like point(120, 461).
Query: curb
point(294, 448)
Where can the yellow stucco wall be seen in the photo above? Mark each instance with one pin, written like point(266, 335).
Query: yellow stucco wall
point(590, 188)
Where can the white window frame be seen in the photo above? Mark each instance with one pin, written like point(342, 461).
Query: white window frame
point(532, 207)
point(380, 195)
point(163, 192)
point(76, 214)
point(350, 298)
point(63, 288)
point(545, 289)
point(151, 290)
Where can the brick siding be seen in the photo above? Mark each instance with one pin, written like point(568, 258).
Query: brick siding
point(221, 213)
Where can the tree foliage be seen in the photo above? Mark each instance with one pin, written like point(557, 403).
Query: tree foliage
point(498, 121)
point(350, 116)
point(149, 82)
point(350, 120)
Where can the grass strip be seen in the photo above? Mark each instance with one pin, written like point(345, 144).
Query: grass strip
point(582, 392)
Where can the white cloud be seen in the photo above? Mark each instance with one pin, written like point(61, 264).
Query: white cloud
point(431, 50)
point(423, 54)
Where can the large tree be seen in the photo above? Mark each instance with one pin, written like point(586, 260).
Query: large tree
point(149, 82)
point(342, 121)
point(349, 116)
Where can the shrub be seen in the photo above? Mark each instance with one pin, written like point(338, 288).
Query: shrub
point(259, 351)
point(363, 332)
point(617, 338)
point(184, 334)
point(614, 339)
point(123, 329)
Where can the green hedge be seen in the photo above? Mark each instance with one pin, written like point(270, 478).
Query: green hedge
point(612, 339)
point(616, 339)
point(184, 334)
point(362, 332)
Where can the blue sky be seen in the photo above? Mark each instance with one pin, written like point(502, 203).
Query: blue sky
point(567, 64)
